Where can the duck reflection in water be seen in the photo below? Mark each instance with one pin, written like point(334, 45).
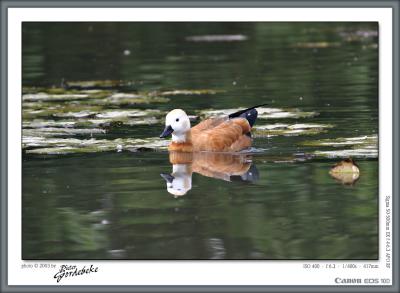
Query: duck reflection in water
point(223, 166)
point(346, 172)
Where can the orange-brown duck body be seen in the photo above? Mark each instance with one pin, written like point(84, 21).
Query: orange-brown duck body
point(221, 134)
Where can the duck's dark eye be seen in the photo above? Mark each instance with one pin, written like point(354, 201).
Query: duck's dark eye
point(177, 119)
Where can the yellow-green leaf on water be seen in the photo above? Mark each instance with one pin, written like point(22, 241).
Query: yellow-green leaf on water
point(316, 45)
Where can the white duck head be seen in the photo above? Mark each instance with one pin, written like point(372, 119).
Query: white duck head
point(180, 181)
point(177, 123)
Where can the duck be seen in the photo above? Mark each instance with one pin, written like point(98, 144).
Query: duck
point(231, 133)
point(222, 166)
point(347, 171)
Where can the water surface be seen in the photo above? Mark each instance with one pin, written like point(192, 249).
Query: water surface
point(92, 190)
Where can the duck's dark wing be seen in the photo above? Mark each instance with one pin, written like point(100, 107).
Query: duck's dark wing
point(250, 114)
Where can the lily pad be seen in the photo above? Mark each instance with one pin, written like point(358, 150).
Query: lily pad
point(309, 126)
point(51, 97)
point(73, 110)
point(41, 141)
point(190, 92)
point(48, 90)
point(367, 140)
point(263, 113)
point(316, 45)
point(97, 84)
point(217, 38)
point(275, 126)
point(90, 124)
point(359, 35)
point(79, 114)
point(127, 113)
point(39, 123)
point(119, 99)
point(289, 130)
point(56, 131)
point(360, 147)
point(91, 97)
point(141, 121)
point(56, 146)
point(357, 153)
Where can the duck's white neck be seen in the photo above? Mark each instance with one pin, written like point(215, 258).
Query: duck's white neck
point(181, 137)
point(180, 168)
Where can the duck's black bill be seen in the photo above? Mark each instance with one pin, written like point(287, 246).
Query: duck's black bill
point(167, 131)
point(167, 177)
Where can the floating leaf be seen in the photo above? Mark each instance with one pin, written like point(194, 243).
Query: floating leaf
point(127, 113)
point(56, 146)
point(80, 114)
point(359, 35)
point(316, 45)
point(141, 121)
point(116, 122)
point(263, 113)
point(119, 99)
point(31, 89)
point(367, 140)
point(56, 131)
point(271, 126)
point(52, 97)
point(217, 38)
point(309, 126)
point(98, 84)
point(289, 130)
point(39, 123)
point(91, 97)
point(356, 152)
point(189, 92)
point(74, 110)
point(361, 146)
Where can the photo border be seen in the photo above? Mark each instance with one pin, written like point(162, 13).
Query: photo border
point(394, 4)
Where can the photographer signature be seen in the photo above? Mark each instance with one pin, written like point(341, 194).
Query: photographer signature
point(73, 271)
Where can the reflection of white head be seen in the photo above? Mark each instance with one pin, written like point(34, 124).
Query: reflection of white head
point(180, 124)
point(182, 180)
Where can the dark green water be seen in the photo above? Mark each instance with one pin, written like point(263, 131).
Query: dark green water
point(115, 205)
